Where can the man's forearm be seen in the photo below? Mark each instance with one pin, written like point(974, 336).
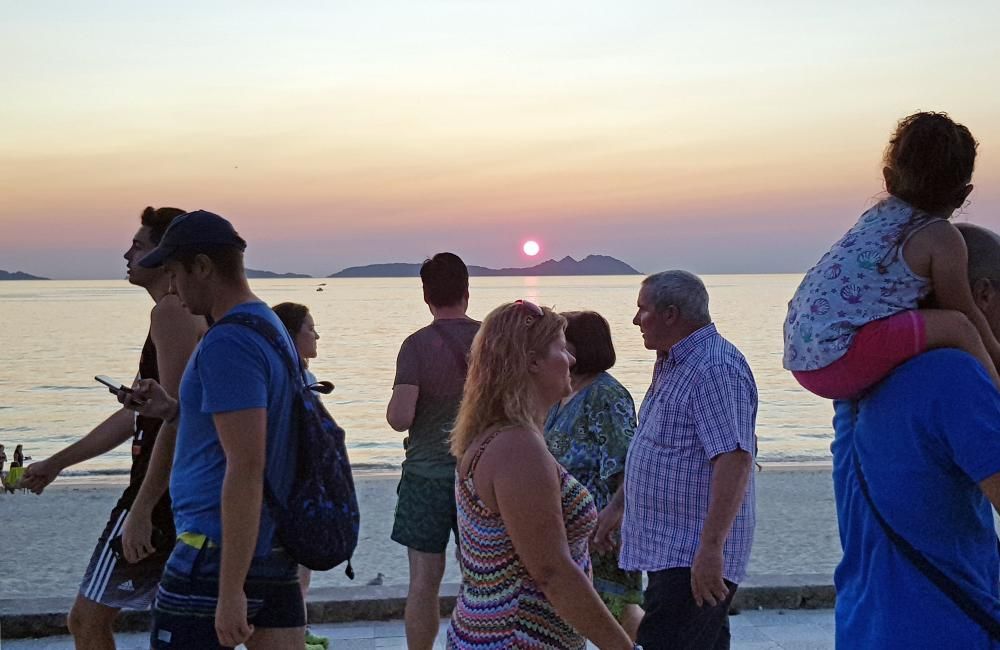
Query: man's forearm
point(107, 435)
point(158, 473)
point(242, 495)
point(730, 474)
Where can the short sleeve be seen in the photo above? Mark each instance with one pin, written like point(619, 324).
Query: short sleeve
point(408, 364)
point(724, 408)
point(234, 373)
point(612, 422)
point(967, 415)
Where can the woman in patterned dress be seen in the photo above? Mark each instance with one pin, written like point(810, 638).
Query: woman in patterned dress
point(524, 522)
point(588, 432)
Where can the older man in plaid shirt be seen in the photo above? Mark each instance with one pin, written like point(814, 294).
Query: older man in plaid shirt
point(689, 489)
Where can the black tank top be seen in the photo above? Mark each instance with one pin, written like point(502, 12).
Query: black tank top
point(146, 430)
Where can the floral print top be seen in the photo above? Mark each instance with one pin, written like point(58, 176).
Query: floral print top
point(863, 278)
point(590, 434)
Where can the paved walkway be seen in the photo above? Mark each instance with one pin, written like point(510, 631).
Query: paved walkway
point(754, 630)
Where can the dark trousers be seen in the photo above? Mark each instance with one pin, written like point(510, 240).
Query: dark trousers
point(673, 620)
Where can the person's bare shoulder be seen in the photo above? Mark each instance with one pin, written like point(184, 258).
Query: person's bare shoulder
point(170, 314)
point(936, 239)
point(519, 452)
point(167, 305)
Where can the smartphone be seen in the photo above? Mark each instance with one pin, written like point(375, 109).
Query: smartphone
point(114, 387)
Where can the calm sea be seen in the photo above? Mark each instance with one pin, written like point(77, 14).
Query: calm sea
point(57, 335)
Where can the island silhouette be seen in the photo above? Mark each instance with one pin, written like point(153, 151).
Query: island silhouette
point(18, 275)
point(590, 265)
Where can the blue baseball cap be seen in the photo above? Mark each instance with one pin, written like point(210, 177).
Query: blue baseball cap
point(194, 231)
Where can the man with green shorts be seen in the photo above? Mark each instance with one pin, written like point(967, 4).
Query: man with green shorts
point(430, 375)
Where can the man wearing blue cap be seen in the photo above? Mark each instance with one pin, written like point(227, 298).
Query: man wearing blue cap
point(226, 581)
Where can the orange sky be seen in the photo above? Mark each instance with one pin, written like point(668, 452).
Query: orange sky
point(719, 139)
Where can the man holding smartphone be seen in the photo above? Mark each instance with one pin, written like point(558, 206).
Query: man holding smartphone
point(228, 579)
point(111, 583)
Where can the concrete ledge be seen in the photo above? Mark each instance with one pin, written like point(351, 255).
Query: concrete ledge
point(39, 617)
point(806, 591)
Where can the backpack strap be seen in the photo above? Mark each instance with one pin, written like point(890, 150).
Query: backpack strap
point(273, 336)
point(479, 452)
point(269, 332)
point(938, 578)
point(460, 354)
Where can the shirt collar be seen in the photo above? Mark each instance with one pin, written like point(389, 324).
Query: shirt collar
point(683, 348)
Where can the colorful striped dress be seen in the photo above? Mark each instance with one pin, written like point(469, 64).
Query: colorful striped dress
point(500, 605)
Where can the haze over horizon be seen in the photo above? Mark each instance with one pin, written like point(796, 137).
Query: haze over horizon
point(728, 137)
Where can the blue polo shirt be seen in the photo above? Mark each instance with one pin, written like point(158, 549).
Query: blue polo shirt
point(926, 436)
point(233, 369)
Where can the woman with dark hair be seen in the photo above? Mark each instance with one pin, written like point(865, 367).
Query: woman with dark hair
point(300, 324)
point(588, 432)
point(18, 460)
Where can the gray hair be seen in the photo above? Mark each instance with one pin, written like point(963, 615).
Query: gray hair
point(683, 290)
point(984, 252)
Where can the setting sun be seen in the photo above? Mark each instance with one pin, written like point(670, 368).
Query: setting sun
point(531, 248)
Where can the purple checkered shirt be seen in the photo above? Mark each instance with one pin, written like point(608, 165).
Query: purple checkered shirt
point(702, 403)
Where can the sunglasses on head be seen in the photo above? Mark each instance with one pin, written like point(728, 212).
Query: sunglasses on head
point(533, 310)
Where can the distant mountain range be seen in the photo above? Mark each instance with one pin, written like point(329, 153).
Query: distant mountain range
point(255, 274)
point(18, 275)
point(590, 265)
point(251, 273)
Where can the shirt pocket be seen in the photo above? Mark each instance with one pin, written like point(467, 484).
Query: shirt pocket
point(673, 428)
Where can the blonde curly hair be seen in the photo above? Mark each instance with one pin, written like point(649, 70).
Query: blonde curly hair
point(497, 390)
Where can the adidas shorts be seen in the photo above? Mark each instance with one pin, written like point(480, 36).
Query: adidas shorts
point(116, 583)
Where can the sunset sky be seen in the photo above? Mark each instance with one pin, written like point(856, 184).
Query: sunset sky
point(724, 137)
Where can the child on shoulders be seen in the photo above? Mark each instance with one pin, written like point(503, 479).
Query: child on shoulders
point(856, 316)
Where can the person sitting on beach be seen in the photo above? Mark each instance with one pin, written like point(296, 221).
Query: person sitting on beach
point(922, 449)
point(227, 581)
point(112, 583)
point(430, 373)
point(524, 522)
point(688, 512)
point(856, 314)
point(302, 328)
point(588, 432)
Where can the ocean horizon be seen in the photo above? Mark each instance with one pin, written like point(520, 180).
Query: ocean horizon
point(58, 334)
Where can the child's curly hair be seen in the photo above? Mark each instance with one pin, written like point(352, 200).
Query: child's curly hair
point(930, 159)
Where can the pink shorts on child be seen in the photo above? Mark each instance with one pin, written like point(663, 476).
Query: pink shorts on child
point(877, 349)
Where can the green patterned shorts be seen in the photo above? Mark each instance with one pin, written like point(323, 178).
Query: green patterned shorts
point(616, 587)
point(425, 513)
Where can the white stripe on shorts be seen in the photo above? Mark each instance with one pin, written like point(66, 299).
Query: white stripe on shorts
point(105, 564)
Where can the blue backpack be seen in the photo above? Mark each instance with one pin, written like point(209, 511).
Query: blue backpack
point(317, 524)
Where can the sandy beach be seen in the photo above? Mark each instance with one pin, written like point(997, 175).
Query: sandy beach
point(48, 539)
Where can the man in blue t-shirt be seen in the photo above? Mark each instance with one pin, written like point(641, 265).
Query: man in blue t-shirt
point(928, 442)
point(227, 582)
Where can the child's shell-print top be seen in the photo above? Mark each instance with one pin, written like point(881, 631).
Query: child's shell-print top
point(860, 280)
